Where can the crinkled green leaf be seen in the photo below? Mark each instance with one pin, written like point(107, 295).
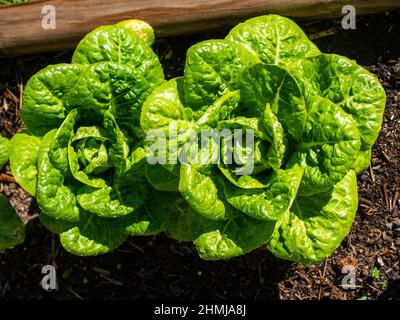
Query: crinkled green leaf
point(121, 89)
point(203, 193)
point(179, 225)
point(120, 45)
point(66, 150)
point(46, 97)
point(212, 69)
point(276, 133)
point(354, 89)
point(23, 160)
point(315, 226)
point(126, 194)
point(55, 195)
point(217, 240)
point(91, 235)
point(12, 230)
point(274, 87)
point(163, 178)
point(153, 216)
point(243, 164)
point(271, 202)
point(165, 106)
point(329, 146)
point(4, 146)
point(273, 39)
point(221, 109)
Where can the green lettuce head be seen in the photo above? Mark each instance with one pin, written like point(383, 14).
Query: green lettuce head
point(82, 156)
point(314, 118)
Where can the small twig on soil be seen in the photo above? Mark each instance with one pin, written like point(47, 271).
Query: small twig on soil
point(322, 278)
point(74, 293)
point(18, 107)
point(394, 200)
point(292, 290)
point(380, 252)
point(102, 271)
point(386, 157)
point(372, 174)
point(5, 104)
point(386, 196)
point(7, 178)
point(346, 286)
point(323, 33)
point(260, 277)
point(302, 276)
point(111, 280)
point(372, 287)
point(11, 95)
point(136, 246)
point(220, 296)
point(3, 292)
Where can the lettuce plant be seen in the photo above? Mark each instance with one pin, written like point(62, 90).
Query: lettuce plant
point(82, 156)
point(93, 128)
point(315, 117)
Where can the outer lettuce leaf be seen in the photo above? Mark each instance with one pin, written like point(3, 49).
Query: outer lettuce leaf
point(120, 45)
point(55, 195)
point(91, 235)
point(212, 69)
point(23, 160)
point(315, 226)
point(271, 202)
point(12, 230)
point(4, 146)
point(354, 89)
point(121, 89)
point(217, 240)
point(163, 178)
point(204, 193)
point(46, 97)
point(273, 39)
point(329, 146)
point(153, 216)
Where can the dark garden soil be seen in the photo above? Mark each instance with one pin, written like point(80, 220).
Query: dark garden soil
point(157, 267)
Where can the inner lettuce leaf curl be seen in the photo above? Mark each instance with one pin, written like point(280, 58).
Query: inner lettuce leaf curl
point(82, 155)
point(314, 117)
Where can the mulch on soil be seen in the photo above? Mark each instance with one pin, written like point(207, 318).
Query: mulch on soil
point(157, 267)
